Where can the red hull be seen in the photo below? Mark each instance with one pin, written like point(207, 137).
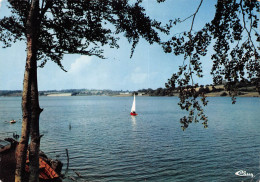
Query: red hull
point(133, 114)
point(45, 170)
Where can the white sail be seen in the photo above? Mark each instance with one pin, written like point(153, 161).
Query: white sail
point(133, 106)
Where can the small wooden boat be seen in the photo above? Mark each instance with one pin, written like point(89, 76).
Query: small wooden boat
point(12, 121)
point(46, 172)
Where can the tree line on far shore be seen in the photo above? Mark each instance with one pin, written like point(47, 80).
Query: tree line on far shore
point(243, 86)
point(170, 92)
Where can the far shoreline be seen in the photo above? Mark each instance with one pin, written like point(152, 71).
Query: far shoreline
point(208, 91)
point(212, 94)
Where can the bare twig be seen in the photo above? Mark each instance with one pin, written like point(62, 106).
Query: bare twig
point(194, 15)
point(244, 22)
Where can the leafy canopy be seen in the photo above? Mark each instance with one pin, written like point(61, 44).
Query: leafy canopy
point(80, 26)
point(233, 34)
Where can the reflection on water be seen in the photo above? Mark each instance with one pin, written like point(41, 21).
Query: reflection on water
point(133, 120)
point(105, 144)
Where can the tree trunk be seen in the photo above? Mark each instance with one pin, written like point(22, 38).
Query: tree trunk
point(35, 134)
point(30, 103)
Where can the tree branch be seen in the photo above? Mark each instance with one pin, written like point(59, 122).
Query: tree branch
point(244, 22)
point(194, 15)
point(48, 5)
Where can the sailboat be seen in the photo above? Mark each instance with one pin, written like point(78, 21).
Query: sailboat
point(133, 113)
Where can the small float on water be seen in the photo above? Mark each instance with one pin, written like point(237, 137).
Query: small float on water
point(133, 113)
point(12, 121)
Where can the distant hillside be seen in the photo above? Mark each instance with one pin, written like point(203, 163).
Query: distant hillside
point(208, 90)
point(244, 90)
point(66, 92)
point(11, 93)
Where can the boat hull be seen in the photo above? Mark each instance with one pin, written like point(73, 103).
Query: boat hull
point(46, 172)
point(12, 121)
point(133, 114)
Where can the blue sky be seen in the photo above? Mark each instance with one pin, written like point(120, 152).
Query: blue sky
point(149, 67)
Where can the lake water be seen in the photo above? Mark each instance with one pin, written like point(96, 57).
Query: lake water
point(106, 144)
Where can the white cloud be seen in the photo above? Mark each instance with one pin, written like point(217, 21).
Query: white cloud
point(138, 76)
point(2, 3)
point(88, 72)
point(80, 64)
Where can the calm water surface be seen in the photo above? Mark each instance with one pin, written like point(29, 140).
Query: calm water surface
point(106, 144)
